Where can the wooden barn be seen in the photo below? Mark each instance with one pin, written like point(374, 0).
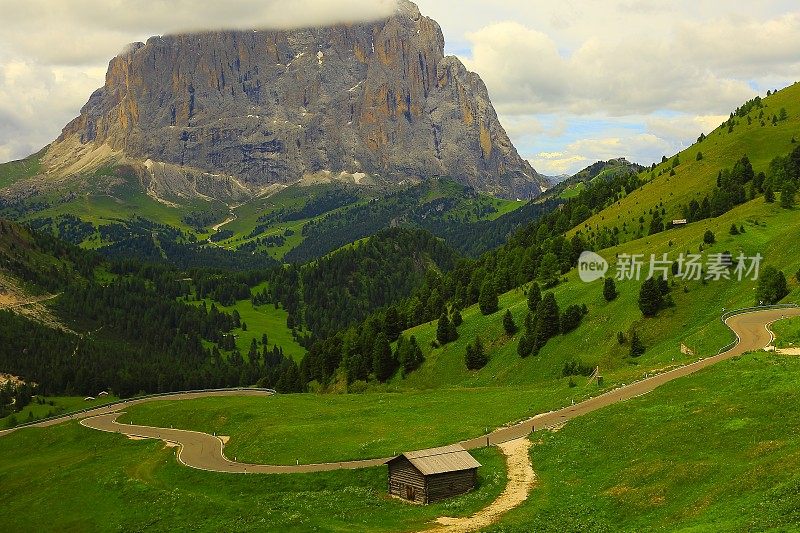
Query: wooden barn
point(427, 476)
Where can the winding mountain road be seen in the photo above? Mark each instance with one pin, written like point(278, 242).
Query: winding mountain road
point(206, 452)
point(119, 406)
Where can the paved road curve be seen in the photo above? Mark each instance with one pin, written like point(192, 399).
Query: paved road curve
point(203, 451)
point(118, 407)
point(752, 330)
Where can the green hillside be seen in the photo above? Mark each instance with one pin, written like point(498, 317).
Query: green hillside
point(694, 321)
point(104, 482)
point(716, 451)
point(328, 215)
point(694, 178)
point(572, 186)
point(16, 170)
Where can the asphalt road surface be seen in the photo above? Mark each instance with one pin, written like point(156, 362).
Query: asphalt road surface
point(118, 407)
point(206, 452)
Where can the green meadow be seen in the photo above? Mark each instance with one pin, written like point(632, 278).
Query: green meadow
point(70, 478)
point(787, 333)
point(309, 428)
point(717, 451)
point(53, 406)
point(261, 319)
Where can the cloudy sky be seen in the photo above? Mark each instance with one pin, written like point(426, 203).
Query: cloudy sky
point(573, 81)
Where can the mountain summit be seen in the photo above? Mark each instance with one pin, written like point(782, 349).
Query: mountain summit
point(230, 114)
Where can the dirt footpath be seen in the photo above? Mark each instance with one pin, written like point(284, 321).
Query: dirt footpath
point(521, 480)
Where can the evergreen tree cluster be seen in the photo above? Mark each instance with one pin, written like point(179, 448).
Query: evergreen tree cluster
point(545, 320)
point(734, 187)
point(654, 296)
point(475, 357)
point(446, 330)
point(772, 286)
point(14, 397)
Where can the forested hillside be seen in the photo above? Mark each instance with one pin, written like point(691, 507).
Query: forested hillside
point(547, 249)
point(443, 207)
point(135, 326)
point(124, 327)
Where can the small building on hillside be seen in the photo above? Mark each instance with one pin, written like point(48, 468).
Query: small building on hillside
point(427, 476)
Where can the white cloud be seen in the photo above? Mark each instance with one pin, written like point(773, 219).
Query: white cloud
point(550, 155)
point(682, 128)
point(743, 46)
point(527, 73)
point(82, 32)
point(548, 165)
point(37, 101)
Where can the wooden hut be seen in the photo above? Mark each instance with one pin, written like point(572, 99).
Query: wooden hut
point(427, 476)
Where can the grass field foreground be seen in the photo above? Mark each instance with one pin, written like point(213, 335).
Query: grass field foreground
point(70, 478)
point(716, 451)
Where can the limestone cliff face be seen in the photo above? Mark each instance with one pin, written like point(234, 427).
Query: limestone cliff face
point(269, 107)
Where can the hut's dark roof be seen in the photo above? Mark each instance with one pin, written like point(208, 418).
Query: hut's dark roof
point(451, 458)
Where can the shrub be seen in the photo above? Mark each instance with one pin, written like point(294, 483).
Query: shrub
point(475, 358)
point(637, 348)
point(772, 287)
point(610, 289)
point(508, 323)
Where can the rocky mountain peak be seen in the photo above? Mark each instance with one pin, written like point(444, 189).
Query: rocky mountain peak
point(229, 114)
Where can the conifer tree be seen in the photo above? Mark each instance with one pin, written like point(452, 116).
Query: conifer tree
point(651, 298)
point(382, 359)
point(508, 323)
point(443, 330)
point(487, 300)
point(610, 289)
point(548, 322)
point(637, 348)
point(534, 296)
point(456, 319)
point(475, 357)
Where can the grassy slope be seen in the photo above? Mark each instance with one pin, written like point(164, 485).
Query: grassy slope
point(694, 321)
point(718, 451)
point(61, 404)
point(69, 478)
point(123, 203)
point(695, 179)
point(315, 428)
point(787, 333)
point(259, 320)
point(572, 191)
point(16, 170)
point(295, 196)
point(247, 215)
